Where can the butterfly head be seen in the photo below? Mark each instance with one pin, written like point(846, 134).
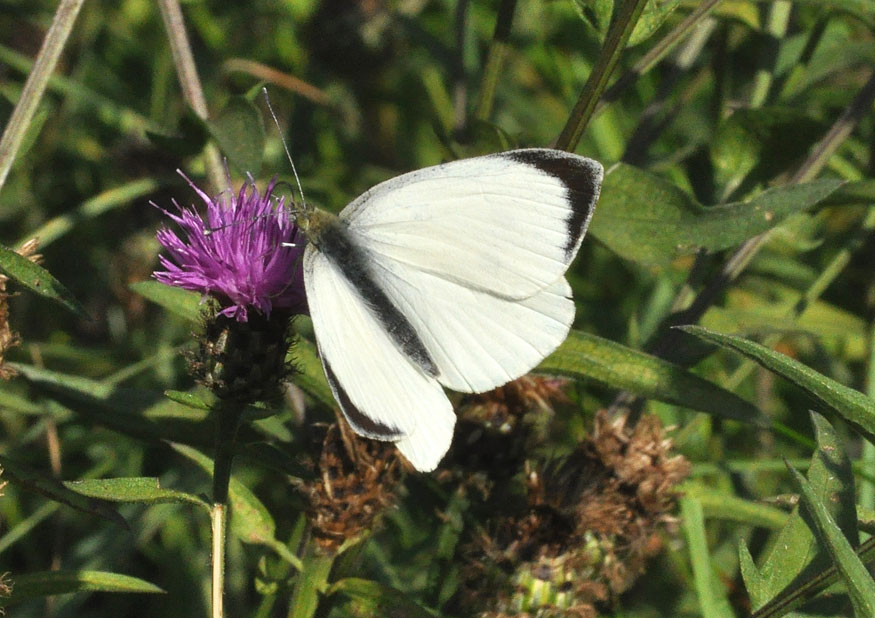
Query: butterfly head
point(314, 221)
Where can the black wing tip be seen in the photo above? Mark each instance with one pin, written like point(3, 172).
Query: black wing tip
point(581, 176)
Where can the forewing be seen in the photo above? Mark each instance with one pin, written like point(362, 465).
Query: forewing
point(508, 224)
point(381, 392)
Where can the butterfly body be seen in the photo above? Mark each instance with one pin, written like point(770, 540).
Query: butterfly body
point(449, 276)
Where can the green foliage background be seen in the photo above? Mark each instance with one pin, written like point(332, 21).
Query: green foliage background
point(705, 150)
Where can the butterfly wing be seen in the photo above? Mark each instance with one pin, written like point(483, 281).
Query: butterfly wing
point(382, 393)
point(476, 339)
point(450, 275)
point(508, 223)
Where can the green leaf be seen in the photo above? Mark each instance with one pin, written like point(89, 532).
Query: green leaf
point(189, 140)
point(49, 583)
point(145, 490)
point(192, 400)
point(762, 142)
point(196, 402)
point(586, 356)
point(710, 590)
point(859, 583)
point(30, 135)
point(596, 13)
point(33, 480)
point(39, 280)
point(251, 522)
point(652, 17)
point(370, 598)
point(805, 588)
point(117, 197)
point(140, 413)
point(853, 406)
point(644, 218)
point(308, 372)
point(726, 506)
point(184, 303)
point(240, 134)
point(793, 555)
point(753, 580)
point(853, 193)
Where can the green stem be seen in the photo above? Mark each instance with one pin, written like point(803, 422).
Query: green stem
point(312, 581)
point(460, 83)
point(867, 488)
point(615, 41)
point(495, 60)
point(227, 422)
point(35, 86)
point(656, 53)
point(192, 90)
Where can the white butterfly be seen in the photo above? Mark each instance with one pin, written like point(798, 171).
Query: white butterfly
point(448, 276)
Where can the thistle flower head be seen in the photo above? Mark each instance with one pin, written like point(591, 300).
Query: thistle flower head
point(246, 254)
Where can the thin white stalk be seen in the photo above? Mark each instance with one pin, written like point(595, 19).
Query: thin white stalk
point(35, 86)
point(218, 519)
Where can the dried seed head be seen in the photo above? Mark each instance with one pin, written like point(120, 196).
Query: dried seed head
point(356, 482)
point(592, 521)
point(498, 428)
point(5, 589)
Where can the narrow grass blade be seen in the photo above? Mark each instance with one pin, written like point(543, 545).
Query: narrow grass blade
point(853, 406)
point(37, 279)
point(860, 584)
point(184, 303)
point(50, 583)
point(712, 595)
point(587, 356)
point(33, 480)
point(372, 598)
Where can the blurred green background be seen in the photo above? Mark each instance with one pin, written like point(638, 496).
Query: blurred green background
point(365, 90)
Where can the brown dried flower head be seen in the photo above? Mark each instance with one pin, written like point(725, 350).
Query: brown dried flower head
point(356, 482)
point(8, 338)
point(496, 429)
point(593, 520)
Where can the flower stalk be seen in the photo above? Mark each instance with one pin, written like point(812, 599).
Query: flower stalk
point(35, 86)
point(242, 255)
point(227, 423)
point(615, 42)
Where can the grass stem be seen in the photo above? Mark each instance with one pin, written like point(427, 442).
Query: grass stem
point(35, 86)
point(192, 91)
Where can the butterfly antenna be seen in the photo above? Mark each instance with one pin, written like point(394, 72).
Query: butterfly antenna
point(285, 146)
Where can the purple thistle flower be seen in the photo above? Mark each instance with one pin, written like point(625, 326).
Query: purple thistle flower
point(240, 255)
